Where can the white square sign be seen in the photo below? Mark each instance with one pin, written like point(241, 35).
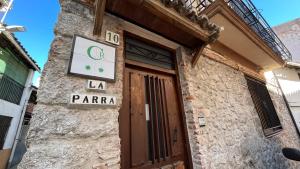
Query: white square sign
point(92, 59)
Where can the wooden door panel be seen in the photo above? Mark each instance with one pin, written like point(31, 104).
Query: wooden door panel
point(124, 120)
point(158, 140)
point(175, 126)
point(138, 120)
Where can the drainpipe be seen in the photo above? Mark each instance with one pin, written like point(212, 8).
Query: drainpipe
point(287, 105)
point(24, 101)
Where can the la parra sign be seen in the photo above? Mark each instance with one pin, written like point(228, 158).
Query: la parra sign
point(96, 85)
point(90, 99)
point(92, 59)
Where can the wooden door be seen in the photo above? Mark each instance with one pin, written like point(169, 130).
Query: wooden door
point(150, 122)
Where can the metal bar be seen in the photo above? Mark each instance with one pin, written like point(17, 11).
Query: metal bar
point(260, 21)
point(169, 141)
point(151, 118)
point(164, 117)
point(253, 18)
point(156, 120)
point(161, 120)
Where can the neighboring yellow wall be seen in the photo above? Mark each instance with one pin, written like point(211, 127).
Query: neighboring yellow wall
point(4, 156)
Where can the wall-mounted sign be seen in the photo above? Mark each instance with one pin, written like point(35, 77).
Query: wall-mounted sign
point(92, 59)
point(96, 85)
point(89, 99)
point(112, 37)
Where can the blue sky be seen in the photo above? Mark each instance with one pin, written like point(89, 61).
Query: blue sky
point(39, 18)
point(278, 11)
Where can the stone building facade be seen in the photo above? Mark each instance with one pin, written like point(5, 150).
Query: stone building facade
point(215, 88)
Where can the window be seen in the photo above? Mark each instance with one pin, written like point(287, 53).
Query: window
point(264, 106)
point(149, 54)
point(10, 90)
point(4, 126)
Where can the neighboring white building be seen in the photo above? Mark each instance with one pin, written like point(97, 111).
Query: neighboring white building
point(289, 76)
point(289, 33)
point(289, 80)
point(16, 73)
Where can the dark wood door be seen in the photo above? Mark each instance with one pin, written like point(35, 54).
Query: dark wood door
point(150, 121)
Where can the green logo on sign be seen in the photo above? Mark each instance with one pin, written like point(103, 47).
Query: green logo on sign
point(98, 54)
point(87, 67)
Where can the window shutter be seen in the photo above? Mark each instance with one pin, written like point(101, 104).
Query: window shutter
point(264, 106)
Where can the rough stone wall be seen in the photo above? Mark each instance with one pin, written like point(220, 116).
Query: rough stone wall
point(233, 136)
point(67, 138)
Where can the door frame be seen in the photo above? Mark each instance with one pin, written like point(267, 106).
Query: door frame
point(177, 53)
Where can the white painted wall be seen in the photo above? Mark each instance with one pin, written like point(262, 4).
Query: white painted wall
point(15, 111)
point(11, 110)
point(290, 84)
point(296, 114)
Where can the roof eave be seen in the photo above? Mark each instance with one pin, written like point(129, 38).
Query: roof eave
point(11, 38)
point(292, 64)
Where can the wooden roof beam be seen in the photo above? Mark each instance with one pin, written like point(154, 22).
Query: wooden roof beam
point(198, 54)
point(99, 14)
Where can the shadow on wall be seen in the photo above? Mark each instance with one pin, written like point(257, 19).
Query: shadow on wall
point(260, 152)
point(263, 153)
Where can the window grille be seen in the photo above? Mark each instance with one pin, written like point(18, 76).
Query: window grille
point(10, 90)
point(142, 52)
point(4, 126)
point(264, 106)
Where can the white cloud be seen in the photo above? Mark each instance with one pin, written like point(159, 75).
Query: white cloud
point(37, 81)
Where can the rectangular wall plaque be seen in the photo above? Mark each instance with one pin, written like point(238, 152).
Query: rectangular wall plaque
point(90, 99)
point(96, 85)
point(92, 59)
point(202, 121)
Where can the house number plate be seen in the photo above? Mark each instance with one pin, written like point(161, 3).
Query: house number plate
point(112, 37)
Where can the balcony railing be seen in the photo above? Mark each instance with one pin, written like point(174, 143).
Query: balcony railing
point(10, 90)
point(251, 16)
